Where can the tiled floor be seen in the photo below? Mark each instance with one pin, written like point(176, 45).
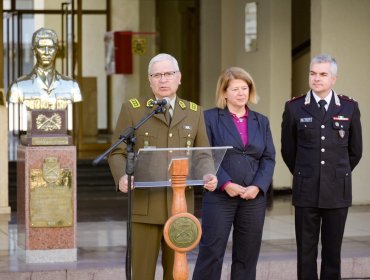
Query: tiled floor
point(101, 239)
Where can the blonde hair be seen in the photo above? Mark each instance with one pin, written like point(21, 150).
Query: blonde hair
point(234, 73)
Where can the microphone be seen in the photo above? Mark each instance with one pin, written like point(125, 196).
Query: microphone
point(160, 102)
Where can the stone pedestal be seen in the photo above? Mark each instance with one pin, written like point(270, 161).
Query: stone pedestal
point(4, 234)
point(46, 203)
point(46, 128)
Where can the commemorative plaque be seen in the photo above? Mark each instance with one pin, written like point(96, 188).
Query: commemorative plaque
point(51, 195)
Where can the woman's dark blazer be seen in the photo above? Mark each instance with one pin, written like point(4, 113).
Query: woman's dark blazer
point(245, 165)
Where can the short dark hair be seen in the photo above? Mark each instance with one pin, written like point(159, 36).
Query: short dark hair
point(43, 33)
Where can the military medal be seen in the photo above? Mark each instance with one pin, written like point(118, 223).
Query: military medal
point(146, 141)
point(342, 133)
point(188, 141)
point(340, 118)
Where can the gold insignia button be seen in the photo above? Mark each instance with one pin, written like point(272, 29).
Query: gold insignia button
point(170, 135)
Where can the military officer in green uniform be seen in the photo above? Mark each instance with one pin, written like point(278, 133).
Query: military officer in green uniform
point(152, 206)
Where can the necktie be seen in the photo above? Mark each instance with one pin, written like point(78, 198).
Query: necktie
point(167, 114)
point(322, 104)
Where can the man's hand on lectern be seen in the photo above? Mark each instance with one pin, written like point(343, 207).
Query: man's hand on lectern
point(210, 182)
point(123, 182)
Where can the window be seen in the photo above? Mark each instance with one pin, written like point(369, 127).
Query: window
point(251, 27)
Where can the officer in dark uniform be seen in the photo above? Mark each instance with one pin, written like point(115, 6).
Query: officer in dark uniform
point(152, 206)
point(321, 143)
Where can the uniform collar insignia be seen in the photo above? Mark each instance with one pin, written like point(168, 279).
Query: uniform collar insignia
point(182, 104)
point(336, 98)
point(307, 99)
point(134, 103)
point(149, 103)
point(193, 106)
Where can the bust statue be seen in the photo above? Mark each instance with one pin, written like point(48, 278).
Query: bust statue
point(44, 88)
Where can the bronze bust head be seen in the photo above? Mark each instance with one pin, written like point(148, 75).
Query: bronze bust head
point(44, 88)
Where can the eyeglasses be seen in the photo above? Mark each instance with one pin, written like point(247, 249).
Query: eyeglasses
point(166, 75)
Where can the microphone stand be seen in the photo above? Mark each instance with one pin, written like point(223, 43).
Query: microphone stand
point(129, 138)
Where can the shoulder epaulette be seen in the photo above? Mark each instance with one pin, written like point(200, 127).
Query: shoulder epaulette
point(193, 106)
point(345, 97)
point(134, 103)
point(294, 98)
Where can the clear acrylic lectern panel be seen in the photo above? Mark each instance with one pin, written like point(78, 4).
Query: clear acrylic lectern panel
point(152, 165)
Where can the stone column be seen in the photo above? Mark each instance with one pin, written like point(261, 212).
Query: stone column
point(4, 198)
point(340, 28)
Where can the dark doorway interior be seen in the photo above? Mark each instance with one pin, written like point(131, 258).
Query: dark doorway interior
point(178, 27)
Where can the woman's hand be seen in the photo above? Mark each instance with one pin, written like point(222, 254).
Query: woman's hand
point(233, 189)
point(250, 192)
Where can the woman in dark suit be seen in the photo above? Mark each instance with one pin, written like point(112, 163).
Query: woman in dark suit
point(244, 177)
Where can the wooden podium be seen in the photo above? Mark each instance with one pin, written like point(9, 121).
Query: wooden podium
point(187, 166)
point(182, 231)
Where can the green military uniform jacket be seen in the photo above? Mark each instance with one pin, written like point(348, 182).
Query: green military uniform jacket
point(187, 129)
